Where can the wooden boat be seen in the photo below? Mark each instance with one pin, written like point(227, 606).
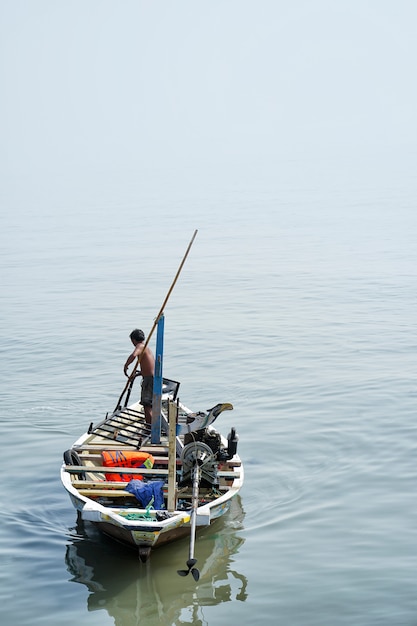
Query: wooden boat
point(145, 486)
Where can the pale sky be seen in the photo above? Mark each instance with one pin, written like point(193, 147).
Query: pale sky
point(100, 85)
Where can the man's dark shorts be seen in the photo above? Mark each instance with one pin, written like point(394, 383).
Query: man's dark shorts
point(147, 391)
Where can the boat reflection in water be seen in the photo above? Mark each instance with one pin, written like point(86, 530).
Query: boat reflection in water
point(153, 593)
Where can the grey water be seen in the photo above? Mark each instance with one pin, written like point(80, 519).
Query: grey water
point(285, 133)
point(296, 306)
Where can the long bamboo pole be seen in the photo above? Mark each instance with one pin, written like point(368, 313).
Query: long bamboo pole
point(133, 372)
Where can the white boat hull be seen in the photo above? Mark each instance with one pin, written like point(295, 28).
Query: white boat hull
point(97, 500)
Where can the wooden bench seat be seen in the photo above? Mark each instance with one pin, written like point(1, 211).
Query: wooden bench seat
point(105, 489)
point(94, 469)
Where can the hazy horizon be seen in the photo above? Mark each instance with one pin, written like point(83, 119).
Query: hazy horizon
point(102, 91)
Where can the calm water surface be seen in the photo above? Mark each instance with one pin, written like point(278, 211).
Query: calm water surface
point(297, 304)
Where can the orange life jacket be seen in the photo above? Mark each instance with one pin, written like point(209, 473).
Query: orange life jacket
point(126, 458)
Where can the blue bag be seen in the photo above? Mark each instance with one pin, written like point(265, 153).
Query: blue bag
point(149, 494)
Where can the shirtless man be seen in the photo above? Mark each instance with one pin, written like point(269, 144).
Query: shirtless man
point(147, 368)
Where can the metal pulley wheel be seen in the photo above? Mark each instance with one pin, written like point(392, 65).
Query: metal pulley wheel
point(196, 452)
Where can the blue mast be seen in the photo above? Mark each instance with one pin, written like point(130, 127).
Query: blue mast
point(157, 384)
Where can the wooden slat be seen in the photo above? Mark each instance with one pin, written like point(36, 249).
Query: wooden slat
point(90, 487)
point(103, 446)
point(98, 484)
point(114, 445)
point(109, 493)
point(92, 469)
point(161, 450)
point(232, 463)
point(96, 456)
point(227, 475)
point(116, 493)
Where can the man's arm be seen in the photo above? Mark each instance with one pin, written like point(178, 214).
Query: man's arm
point(129, 360)
point(132, 357)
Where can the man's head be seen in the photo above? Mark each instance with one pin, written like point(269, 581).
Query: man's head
point(137, 336)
